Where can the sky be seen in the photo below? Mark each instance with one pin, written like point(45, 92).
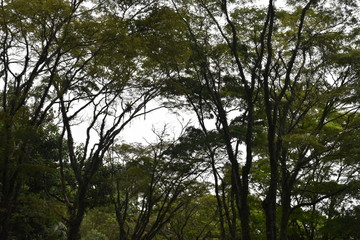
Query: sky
point(142, 128)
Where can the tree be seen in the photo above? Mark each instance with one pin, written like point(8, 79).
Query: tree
point(116, 93)
point(36, 42)
point(278, 59)
point(195, 220)
point(275, 91)
point(73, 59)
point(152, 184)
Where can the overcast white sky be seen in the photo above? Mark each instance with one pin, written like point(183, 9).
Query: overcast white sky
point(141, 130)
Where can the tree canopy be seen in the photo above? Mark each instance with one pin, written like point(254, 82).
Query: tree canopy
point(271, 153)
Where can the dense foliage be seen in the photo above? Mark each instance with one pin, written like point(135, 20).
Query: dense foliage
point(273, 151)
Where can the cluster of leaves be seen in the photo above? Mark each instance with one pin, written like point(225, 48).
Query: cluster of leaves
point(275, 92)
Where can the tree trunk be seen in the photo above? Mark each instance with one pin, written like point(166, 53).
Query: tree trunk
point(245, 213)
point(218, 199)
point(7, 187)
point(5, 209)
point(288, 181)
point(121, 223)
point(75, 223)
point(269, 203)
point(270, 215)
point(4, 231)
point(122, 235)
point(74, 230)
point(77, 214)
point(285, 214)
point(241, 192)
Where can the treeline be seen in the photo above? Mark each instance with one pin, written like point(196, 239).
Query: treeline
point(272, 154)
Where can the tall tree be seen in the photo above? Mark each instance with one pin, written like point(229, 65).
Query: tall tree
point(36, 41)
point(272, 57)
point(114, 88)
point(152, 184)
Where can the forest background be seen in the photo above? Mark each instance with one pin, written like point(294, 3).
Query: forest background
point(272, 151)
